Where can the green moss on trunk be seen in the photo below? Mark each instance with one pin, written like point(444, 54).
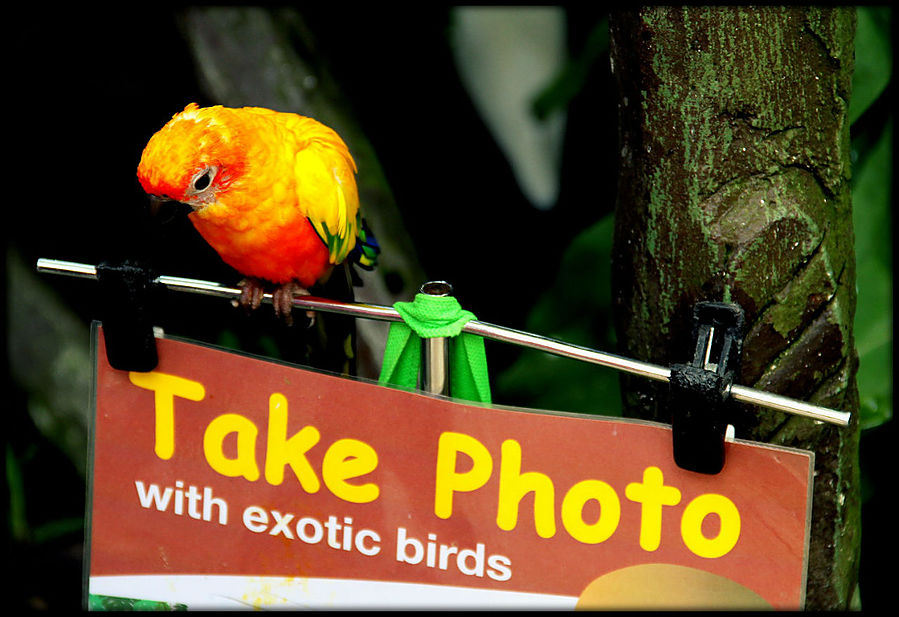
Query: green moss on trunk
point(734, 186)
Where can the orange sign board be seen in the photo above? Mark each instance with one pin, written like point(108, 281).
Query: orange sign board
point(224, 480)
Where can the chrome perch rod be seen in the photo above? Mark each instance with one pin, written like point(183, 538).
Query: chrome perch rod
point(497, 333)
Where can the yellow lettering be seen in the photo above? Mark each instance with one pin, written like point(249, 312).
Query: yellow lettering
point(514, 485)
point(653, 494)
point(244, 464)
point(166, 388)
point(573, 511)
point(350, 458)
point(282, 451)
point(691, 525)
point(448, 480)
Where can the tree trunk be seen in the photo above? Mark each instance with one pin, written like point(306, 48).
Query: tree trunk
point(734, 186)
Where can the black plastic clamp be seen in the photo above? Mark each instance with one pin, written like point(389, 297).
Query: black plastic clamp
point(125, 288)
point(700, 391)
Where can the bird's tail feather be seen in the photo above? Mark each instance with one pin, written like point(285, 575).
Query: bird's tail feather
point(367, 249)
point(331, 342)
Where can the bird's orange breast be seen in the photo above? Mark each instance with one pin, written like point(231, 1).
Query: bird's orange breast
point(274, 252)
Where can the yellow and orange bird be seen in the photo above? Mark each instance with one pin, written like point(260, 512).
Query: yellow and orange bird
point(273, 193)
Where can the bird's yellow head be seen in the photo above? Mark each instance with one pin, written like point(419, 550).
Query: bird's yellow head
point(194, 158)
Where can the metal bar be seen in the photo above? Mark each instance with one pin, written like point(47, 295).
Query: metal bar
point(708, 351)
point(789, 405)
point(434, 373)
point(70, 268)
point(486, 330)
point(209, 288)
point(567, 350)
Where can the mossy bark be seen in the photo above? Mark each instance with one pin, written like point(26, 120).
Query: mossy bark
point(734, 186)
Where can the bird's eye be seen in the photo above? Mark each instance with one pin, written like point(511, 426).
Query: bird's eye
point(202, 181)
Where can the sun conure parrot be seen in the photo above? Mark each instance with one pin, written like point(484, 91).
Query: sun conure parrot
point(273, 193)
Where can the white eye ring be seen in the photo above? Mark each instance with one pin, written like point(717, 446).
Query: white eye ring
point(203, 179)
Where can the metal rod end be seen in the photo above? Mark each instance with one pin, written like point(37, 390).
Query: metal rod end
point(437, 288)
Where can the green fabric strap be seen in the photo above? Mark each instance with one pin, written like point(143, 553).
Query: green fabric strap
point(429, 317)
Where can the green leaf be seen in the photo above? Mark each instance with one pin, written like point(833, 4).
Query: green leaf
point(113, 603)
point(871, 197)
point(543, 381)
point(570, 80)
point(873, 58)
point(58, 529)
point(17, 519)
point(582, 291)
point(575, 309)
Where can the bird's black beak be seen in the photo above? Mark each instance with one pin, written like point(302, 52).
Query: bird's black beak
point(157, 204)
point(164, 209)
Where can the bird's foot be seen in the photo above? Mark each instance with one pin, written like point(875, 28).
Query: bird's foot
point(282, 299)
point(251, 292)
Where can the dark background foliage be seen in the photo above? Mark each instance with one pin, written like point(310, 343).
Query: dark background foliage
point(89, 86)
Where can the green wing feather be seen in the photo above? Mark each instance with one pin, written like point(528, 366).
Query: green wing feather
point(326, 191)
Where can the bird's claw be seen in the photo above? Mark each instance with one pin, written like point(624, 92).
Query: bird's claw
point(282, 299)
point(251, 292)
